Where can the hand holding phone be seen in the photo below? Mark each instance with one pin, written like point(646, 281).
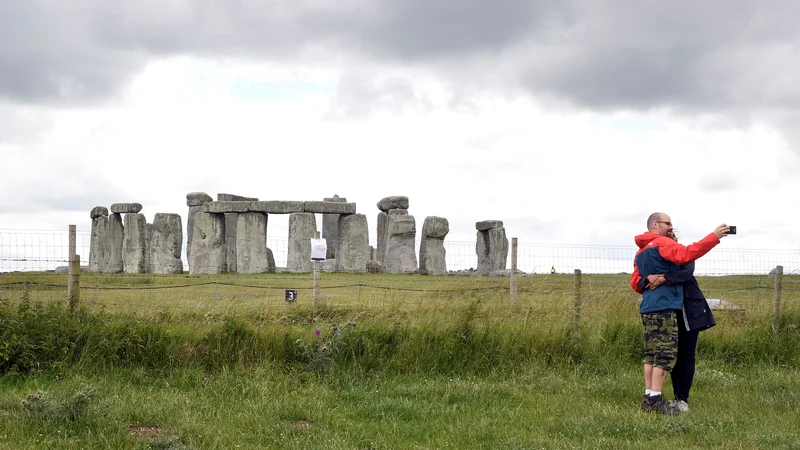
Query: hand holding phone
point(732, 229)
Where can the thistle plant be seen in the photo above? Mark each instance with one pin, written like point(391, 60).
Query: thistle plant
point(324, 346)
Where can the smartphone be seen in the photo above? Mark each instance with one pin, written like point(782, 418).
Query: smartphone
point(733, 229)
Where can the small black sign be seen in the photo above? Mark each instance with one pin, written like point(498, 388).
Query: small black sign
point(291, 295)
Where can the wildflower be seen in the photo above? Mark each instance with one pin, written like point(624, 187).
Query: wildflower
point(24, 402)
point(335, 329)
point(324, 348)
point(314, 320)
point(316, 332)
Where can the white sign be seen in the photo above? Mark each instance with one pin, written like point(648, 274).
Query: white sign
point(319, 248)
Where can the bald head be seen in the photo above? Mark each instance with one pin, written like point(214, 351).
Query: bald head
point(659, 223)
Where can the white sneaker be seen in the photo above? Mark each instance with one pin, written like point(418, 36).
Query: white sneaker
point(681, 405)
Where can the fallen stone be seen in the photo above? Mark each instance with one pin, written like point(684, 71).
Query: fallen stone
point(718, 304)
point(197, 198)
point(126, 208)
point(166, 244)
point(488, 225)
point(98, 211)
point(396, 202)
point(329, 207)
point(276, 207)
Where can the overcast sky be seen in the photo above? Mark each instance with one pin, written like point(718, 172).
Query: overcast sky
point(571, 121)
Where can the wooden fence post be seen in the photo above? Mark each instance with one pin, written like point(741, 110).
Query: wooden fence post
point(576, 324)
point(513, 287)
point(73, 271)
point(776, 321)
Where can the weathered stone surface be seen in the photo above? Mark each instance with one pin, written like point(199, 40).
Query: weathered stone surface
point(98, 211)
point(99, 250)
point(330, 228)
point(148, 239)
point(435, 227)
point(371, 253)
point(492, 250)
point(488, 225)
point(270, 261)
point(383, 221)
point(400, 255)
point(229, 245)
point(166, 244)
point(431, 248)
point(398, 212)
point(251, 243)
point(373, 266)
point(329, 265)
point(302, 227)
point(329, 207)
point(396, 202)
point(353, 244)
point(207, 244)
point(234, 198)
point(276, 207)
point(197, 198)
point(227, 207)
point(116, 234)
point(193, 210)
point(126, 208)
point(134, 245)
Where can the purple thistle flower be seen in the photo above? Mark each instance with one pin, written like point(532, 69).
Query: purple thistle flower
point(316, 332)
point(335, 329)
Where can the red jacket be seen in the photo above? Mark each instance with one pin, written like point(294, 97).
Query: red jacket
point(653, 245)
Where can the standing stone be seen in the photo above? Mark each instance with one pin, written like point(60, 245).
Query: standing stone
point(491, 247)
point(302, 227)
point(166, 244)
point(133, 244)
point(195, 202)
point(352, 252)
point(231, 228)
point(400, 255)
point(270, 261)
point(330, 228)
point(251, 243)
point(115, 236)
point(383, 221)
point(148, 239)
point(431, 249)
point(99, 244)
point(207, 244)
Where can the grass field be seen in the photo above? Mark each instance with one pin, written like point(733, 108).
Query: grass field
point(415, 362)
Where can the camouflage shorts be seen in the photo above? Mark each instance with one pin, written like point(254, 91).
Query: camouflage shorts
point(660, 339)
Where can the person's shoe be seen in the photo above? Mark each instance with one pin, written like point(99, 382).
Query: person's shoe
point(646, 405)
point(680, 405)
point(657, 405)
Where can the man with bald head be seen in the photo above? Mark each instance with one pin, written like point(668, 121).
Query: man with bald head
point(658, 254)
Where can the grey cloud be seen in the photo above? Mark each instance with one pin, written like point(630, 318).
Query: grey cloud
point(732, 58)
point(358, 94)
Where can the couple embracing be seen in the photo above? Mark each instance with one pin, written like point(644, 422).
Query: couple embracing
point(673, 310)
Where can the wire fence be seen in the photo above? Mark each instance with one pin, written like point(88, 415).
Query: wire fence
point(34, 266)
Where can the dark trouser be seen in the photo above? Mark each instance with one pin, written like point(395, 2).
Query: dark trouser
point(683, 373)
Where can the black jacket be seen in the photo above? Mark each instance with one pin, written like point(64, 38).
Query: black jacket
point(696, 312)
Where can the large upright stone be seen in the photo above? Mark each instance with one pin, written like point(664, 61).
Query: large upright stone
point(99, 250)
point(431, 249)
point(395, 202)
point(166, 244)
point(383, 221)
point(251, 243)
point(148, 239)
point(207, 244)
point(231, 227)
point(491, 247)
point(400, 255)
point(352, 252)
point(134, 244)
point(115, 236)
point(195, 202)
point(302, 227)
point(330, 228)
point(270, 261)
